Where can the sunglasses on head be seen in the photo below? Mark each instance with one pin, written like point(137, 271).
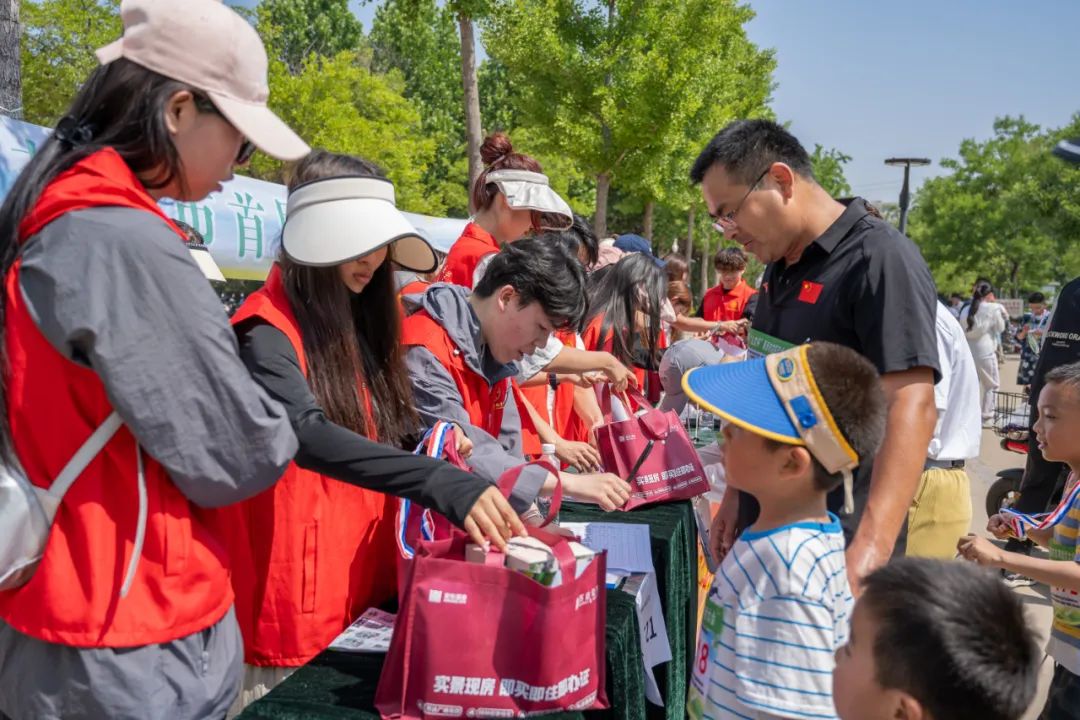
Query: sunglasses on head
point(247, 148)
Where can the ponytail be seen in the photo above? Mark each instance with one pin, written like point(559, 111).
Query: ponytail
point(982, 289)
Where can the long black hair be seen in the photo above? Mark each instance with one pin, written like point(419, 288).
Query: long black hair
point(634, 284)
point(981, 290)
point(122, 106)
point(349, 336)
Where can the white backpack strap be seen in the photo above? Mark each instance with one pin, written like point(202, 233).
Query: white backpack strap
point(84, 455)
point(78, 462)
point(140, 529)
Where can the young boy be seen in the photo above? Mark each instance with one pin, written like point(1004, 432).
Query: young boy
point(1056, 431)
point(936, 640)
point(727, 302)
point(797, 423)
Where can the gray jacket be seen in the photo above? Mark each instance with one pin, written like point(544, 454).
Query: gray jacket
point(438, 398)
point(115, 290)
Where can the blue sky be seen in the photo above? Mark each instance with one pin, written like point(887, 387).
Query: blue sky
point(910, 77)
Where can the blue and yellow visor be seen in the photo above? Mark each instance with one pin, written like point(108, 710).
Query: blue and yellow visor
point(776, 397)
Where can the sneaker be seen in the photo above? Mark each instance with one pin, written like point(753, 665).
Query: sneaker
point(1015, 580)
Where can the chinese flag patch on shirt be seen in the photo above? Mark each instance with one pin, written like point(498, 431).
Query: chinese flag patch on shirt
point(810, 292)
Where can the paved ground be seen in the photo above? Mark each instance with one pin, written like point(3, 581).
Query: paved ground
point(983, 473)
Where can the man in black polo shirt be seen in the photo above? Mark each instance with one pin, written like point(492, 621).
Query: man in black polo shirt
point(840, 274)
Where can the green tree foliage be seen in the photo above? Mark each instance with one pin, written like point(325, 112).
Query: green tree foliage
point(419, 39)
point(339, 104)
point(306, 27)
point(828, 168)
point(1009, 210)
point(614, 86)
point(58, 42)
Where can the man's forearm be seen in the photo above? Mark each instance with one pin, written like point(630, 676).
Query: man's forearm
point(897, 468)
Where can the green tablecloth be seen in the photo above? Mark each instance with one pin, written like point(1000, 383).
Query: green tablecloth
point(342, 685)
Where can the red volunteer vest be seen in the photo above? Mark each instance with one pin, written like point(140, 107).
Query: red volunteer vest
point(592, 341)
point(53, 405)
point(475, 244)
point(564, 400)
point(311, 553)
point(483, 402)
point(719, 305)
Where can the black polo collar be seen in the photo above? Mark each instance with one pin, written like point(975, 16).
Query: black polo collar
point(855, 211)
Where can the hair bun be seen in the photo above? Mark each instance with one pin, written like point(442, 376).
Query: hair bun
point(495, 148)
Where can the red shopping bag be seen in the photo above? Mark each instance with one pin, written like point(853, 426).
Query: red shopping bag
point(415, 523)
point(652, 452)
point(481, 640)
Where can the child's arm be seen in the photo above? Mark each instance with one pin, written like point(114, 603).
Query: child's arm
point(999, 527)
point(1052, 572)
point(1041, 535)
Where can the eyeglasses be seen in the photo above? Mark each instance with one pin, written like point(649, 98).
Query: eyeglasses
point(726, 222)
point(247, 148)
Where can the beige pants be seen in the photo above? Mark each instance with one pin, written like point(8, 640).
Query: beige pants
point(258, 681)
point(940, 513)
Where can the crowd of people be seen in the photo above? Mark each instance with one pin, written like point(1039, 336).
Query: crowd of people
point(233, 508)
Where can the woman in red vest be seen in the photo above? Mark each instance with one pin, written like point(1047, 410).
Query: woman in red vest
point(510, 199)
point(129, 613)
point(323, 337)
point(624, 313)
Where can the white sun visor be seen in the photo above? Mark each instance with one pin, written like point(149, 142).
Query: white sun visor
point(525, 190)
point(332, 221)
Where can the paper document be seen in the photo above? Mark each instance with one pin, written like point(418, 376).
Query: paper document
point(652, 630)
point(369, 633)
point(629, 549)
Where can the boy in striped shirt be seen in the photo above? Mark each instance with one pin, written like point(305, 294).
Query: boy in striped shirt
point(797, 423)
point(1056, 430)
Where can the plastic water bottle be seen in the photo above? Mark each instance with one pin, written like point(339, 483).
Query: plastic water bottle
point(547, 454)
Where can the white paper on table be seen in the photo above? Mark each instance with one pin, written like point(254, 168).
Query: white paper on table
point(629, 549)
point(652, 630)
point(369, 633)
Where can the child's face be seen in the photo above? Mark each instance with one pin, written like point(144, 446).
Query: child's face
point(1058, 425)
point(856, 691)
point(730, 278)
point(748, 459)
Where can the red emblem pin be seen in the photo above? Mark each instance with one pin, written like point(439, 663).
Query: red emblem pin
point(810, 292)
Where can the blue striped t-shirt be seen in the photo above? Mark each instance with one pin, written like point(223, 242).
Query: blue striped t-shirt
point(778, 609)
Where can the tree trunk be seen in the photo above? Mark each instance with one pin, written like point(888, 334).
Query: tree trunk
point(10, 62)
point(603, 184)
point(472, 99)
point(705, 258)
point(690, 240)
point(647, 221)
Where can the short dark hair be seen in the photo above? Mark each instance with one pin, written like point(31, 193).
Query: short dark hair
point(746, 148)
point(1036, 297)
point(952, 636)
point(729, 259)
point(540, 269)
point(1068, 375)
point(852, 390)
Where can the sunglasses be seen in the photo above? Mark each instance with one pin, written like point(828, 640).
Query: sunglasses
point(247, 148)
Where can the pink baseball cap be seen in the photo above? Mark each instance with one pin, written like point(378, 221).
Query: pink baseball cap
point(206, 45)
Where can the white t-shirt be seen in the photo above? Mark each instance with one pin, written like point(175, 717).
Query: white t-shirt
point(959, 425)
point(985, 332)
point(778, 609)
